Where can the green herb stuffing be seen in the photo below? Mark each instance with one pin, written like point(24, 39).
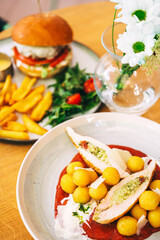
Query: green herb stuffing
point(69, 82)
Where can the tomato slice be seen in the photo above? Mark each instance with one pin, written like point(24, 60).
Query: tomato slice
point(89, 86)
point(30, 61)
point(74, 99)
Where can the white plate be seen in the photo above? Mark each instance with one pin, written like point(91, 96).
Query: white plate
point(86, 58)
point(40, 170)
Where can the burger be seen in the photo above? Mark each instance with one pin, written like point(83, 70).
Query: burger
point(41, 45)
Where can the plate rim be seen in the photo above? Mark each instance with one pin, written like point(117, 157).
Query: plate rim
point(58, 130)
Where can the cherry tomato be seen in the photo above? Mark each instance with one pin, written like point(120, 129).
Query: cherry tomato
point(30, 61)
point(89, 86)
point(74, 99)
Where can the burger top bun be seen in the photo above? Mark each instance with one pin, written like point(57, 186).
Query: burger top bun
point(43, 29)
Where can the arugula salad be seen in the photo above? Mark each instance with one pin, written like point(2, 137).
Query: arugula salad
point(74, 93)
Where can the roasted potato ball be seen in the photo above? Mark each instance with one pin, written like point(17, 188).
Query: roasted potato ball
point(81, 195)
point(99, 192)
point(137, 212)
point(155, 184)
point(72, 165)
point(67, 183)
point(149, 200)
point(93, 176)
point(154, 217)
point(127, 226)
point(111, 175)
point(81, 177)
point(135, 164)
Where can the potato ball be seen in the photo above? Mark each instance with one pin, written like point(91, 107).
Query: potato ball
point(135, 164)
point(154, 217)
point(81, 195)
point(67, 183)
point(137, 212)
point(93, 176)
point(127, 226)
point(111, 175)
point(149, 200)
point(155, 184)
point(81, 177)
point(99, 192)
point(72, 165)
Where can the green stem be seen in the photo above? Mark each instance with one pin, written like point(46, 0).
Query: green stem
point(113, 31)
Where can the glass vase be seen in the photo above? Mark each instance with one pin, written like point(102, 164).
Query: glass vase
point(128, 94)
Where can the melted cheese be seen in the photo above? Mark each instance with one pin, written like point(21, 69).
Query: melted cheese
point(40, 52)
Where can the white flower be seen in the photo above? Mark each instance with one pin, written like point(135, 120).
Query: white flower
point(119, 3)
point(142, 14)
point(136, 46)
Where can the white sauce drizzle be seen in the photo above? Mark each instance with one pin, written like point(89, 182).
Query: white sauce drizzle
point(69, 226)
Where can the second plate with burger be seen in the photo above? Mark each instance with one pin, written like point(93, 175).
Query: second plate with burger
point(82, 55)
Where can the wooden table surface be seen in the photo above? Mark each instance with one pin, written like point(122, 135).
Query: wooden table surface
point(88, 22)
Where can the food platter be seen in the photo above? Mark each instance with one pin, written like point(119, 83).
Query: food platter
point(84, 56)
point(39, 172)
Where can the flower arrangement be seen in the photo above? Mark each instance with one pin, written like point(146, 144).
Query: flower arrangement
point(140, 43)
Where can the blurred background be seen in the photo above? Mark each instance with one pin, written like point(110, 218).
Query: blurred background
point(13, 10)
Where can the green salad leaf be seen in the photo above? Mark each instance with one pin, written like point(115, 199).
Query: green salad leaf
point(70, 81)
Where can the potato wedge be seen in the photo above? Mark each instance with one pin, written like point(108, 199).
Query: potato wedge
point(28, 103)
point(14, 126)
point(5, 112)
point(32, 126)
point(24, 89)
point(7, 85)
point(14, 135)
point(40, 110)
point(11, 117)
point(1, 85)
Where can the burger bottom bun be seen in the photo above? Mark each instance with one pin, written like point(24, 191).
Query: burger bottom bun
point(37, 71)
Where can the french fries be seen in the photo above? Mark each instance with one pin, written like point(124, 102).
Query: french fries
point(14, 135)
point(40, 110)
point(25, 105)
point(26, 100)
point(24, 89)
point(14, 126)
point(33, 126)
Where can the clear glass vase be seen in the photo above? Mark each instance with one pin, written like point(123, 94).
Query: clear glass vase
point(131, 94)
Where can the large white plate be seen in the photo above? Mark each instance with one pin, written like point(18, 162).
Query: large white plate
point(83, 55)
point(40, 170)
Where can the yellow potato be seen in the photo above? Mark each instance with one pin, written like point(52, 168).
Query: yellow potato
point(135, 164)
point(15, 126)
point(33, 126)
point(7, 85)
point(155, 184)
point(127, 226)
point(154, 217)
point(137, 212)
point(14, 135)
point(24, 89)
point(93, 176)
point(27, 104)
point(11, 117)
point(67, 183)
point(41, 108)
point(149, 200)
point(111, 175)
point(1, 85)
point(99, 192)
point(81, 177)
point(5, 112)
point(72, 165)
point(81, 195)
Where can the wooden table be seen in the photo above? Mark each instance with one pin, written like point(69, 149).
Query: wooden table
point(88, 22)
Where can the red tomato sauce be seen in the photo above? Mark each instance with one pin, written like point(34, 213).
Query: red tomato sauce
point(98, 231)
